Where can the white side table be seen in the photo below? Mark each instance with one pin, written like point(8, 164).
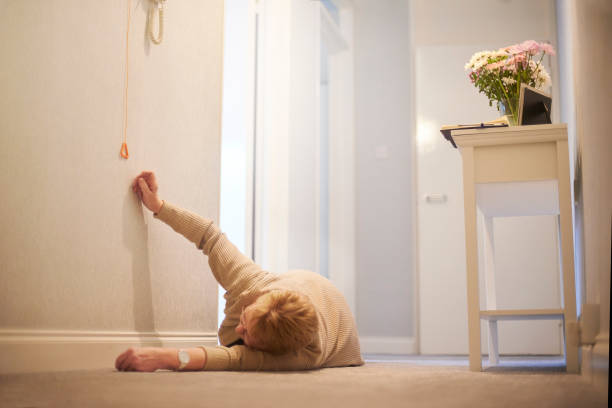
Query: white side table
point(514, 171)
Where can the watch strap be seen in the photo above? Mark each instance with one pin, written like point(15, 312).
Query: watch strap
point(182, 353)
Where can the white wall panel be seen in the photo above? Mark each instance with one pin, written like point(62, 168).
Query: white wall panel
point(77, 250)
point(384, 170)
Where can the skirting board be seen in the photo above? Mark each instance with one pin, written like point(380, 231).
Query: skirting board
point(24, 351)
point(388, 345)
point(595, 362)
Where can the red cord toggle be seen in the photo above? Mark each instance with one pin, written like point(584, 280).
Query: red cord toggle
point(124, 151)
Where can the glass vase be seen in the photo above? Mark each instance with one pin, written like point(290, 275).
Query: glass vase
point(510, 109)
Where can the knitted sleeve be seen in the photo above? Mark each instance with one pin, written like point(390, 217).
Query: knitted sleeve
point(230, 267)
point(242, 358)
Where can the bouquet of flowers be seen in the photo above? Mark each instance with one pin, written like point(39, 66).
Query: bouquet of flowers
point(499, 74)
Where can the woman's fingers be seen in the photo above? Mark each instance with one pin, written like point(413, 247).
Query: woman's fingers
point(125, 364)
point(143, 174)
point(136, 189)
point(120, 362)
point(149, 178)
point(125, 360)
point(144, 187)
point(135, 183)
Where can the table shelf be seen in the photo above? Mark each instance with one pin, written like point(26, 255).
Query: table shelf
point(522, 314)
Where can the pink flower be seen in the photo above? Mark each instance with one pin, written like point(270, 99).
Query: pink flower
point(495, 65)
point(517, 59)
point(530, 46)
point(547, 48)
point(511, 49)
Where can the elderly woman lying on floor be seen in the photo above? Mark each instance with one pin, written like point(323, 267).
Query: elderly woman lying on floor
point(294, 321)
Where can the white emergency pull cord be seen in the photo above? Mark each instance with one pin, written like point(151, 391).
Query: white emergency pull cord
point(160, 13)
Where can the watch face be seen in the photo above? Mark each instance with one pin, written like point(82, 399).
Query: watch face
point(183, 357)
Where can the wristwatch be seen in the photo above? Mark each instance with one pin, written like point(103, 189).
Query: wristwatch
point(184, 358)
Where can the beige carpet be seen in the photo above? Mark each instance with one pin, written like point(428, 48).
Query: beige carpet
point(377, 384)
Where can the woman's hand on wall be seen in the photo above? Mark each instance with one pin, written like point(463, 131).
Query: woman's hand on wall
point(145, 185)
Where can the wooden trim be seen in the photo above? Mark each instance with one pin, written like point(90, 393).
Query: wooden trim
point(515, 163)
point(60, 350)
point(388, 345)
point(522, 314)
point(319, 24)
point(510, 135)
point(567, 252)
point(12, 336)
point(471, 257)
point(250, 138)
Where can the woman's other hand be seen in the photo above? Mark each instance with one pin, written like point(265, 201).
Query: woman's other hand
point(146, 359)
point(145, 185)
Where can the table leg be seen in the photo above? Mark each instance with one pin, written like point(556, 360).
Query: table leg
point(567, 261)
point(493, 343)
point(488, 251)
point(471, 255)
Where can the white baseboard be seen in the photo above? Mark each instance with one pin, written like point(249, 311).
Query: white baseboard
point(61, 350)
point(388, 345)
point(586, 368)
point(595, 363)
point(600, 363)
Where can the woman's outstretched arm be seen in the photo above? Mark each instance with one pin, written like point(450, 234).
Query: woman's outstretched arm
point(236, 272)
point(150, 359)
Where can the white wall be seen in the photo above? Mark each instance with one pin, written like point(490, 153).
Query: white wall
point(384, 172)
point(303, 113)
point(593, 101)
point(285, 136)
point(341, 133)
point(84, 271)
point(592, 31)
point(237, 128)
point(567, 104)
point(272, 135)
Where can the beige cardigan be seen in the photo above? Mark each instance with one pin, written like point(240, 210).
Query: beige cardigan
point(337, 342)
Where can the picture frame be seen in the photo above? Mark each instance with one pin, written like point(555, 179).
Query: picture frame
point(534, 106)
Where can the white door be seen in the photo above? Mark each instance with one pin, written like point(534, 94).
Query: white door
point(526, 247)
point(304, 148)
